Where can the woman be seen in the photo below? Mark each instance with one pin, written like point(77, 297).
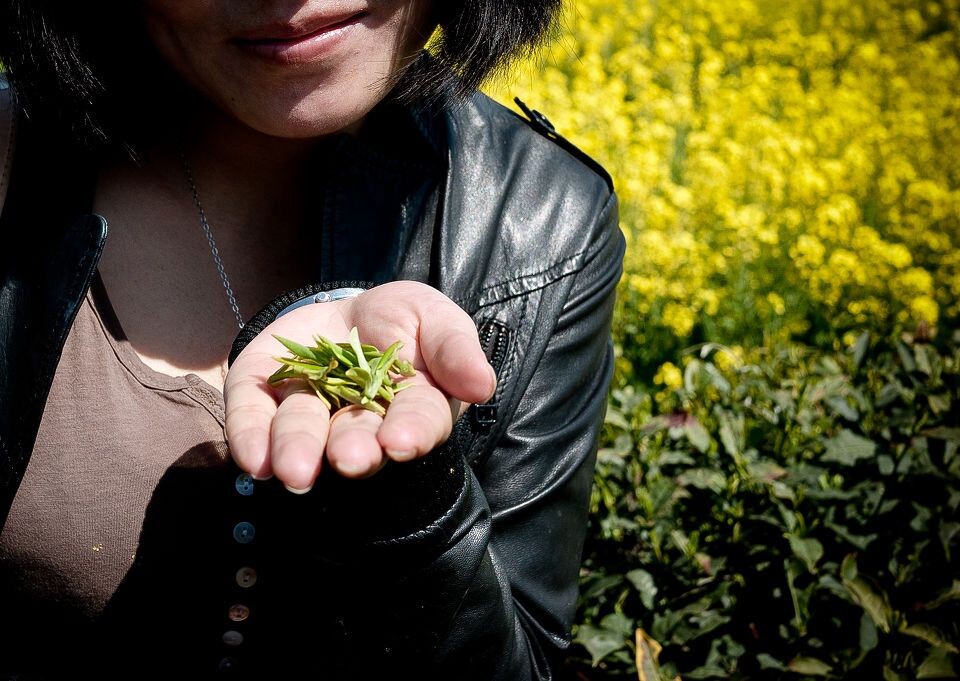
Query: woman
point(280, 149)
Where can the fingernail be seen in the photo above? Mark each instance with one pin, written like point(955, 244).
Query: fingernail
point(261, 478)
point(401, 454)
point(298, 491)
point(493, 374)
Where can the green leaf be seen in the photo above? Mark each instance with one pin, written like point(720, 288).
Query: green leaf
point(948, 533)
point(868, 633)
point(848, 568)
point(922, 359)
point(807, 550)
point(893, 675)
point(766, 471)
point(358, 349)
point(860, 349)
point(615, 418)
point(859, 541)
point(873, 601)
point(404, 368)
point(599, 642)
point(703, 478)
point(335, 350)
point(732, 432)
point(906, 357)
point(769, 662)
point(937, 665)
point(682, 542)
point(619, 623)
point(931, 635)
point(643, 582)
point(948, 595)
point(843, 408)
point(847, 448)
point(709, 671)
point(696, 434)
point(885, 464)
point(301, 351)
point(600, 585)
point(939, 403)
point(942, 433)
point(809, 665)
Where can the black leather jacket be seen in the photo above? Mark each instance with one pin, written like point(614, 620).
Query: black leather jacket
point(463, 565)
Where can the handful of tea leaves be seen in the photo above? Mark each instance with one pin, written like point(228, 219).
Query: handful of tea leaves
point(346, 373)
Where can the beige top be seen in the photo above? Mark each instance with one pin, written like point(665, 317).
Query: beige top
point(111, 429)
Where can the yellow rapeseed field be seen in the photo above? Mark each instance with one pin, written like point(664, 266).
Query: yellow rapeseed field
point(786, 168)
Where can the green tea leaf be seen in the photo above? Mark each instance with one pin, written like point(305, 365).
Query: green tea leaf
point(874, 602)
point(807, 550)
point(703, 478)
point(868, 633)
point(301, 351)
point(860, 349)
point(931, 635)
point(948, 595)
point(809, 665)
point(643, 582)
point(696, 434)
point(847, 448)
point(769, 662)
point(937, 665)
point(599, 642)
point(358, 350)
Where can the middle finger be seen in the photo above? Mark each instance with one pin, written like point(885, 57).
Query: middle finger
point(352, 448)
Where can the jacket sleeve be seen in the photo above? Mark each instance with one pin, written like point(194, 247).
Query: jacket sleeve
point(453, 572)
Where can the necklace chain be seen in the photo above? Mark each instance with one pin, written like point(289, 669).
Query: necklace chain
point(212, 243)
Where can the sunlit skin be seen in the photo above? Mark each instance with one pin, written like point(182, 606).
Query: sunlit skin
point(301, 94)
point(279, 76)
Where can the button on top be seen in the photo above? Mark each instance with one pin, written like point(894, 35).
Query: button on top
point(232, 638)
point(243, 533)
point(244, 484)
point(238, 612)
point(246, 577)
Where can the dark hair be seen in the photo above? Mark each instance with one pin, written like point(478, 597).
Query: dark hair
point(61, 58)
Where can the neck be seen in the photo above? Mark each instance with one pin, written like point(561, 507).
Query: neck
point(229, 157)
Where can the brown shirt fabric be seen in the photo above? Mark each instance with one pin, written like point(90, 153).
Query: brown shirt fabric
point(111, 430)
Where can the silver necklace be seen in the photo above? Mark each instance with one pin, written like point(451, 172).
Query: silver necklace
point(211, 243)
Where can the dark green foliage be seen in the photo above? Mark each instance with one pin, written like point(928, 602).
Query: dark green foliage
point(794, 515)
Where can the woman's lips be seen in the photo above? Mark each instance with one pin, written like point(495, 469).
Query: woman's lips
point(301, 45)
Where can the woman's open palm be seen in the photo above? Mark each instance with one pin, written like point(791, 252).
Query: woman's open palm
point(285, 430)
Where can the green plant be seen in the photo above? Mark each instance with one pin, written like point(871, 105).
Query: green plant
point(792, 514)
point(345, 373)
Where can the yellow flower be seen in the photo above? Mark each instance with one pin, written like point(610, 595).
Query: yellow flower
point(669, 376)
point(776, 303)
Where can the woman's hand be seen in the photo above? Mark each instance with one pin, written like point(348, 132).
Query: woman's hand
point(286, 430)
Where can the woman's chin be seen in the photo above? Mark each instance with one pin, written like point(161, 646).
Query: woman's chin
point(312, 117)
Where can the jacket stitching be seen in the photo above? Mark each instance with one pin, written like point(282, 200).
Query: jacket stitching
point(583, 254)
point(435, 527)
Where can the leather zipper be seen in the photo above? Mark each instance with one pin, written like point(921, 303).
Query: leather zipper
point(480, 418)
point(494, 339)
